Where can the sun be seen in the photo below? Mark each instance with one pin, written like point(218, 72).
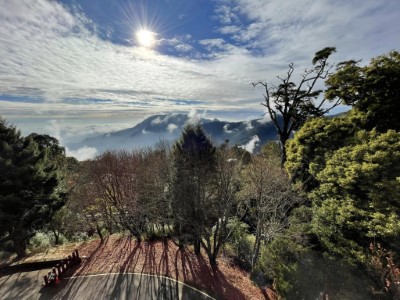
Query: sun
point(146, 38)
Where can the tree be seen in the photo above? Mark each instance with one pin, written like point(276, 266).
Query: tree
point(156, 175)
point(222, 207)
point(358, 199)
point(29, 186)
point(193, 175)
point(116, 178)
point(270, 197)
point(372, 89)
point(316, 140)
point(296, 103)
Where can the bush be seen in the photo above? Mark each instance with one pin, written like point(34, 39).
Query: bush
point(278, 261)
point(61, 239)
point(240, 241)
point(40, 242)
point(79, 237)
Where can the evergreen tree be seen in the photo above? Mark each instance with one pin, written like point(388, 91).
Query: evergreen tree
point(358, 199)
point(28, 186)
point(316, 141)
point(372, 89)
point(194, 169)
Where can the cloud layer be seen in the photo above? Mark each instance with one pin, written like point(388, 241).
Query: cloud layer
point(55, 63)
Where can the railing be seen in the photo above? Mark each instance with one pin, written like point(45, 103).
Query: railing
point(56, 274)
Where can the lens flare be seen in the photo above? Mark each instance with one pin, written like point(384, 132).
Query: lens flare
point(146, 38)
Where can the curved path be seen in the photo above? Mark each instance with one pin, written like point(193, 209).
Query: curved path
point(101, 286)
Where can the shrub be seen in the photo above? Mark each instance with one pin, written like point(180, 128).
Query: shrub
point(79, 237)
point(240, 240)
point(40, 242)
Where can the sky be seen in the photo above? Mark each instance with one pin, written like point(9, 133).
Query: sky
point(75, 68)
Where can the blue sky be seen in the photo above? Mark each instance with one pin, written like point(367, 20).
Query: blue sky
point(74, 68)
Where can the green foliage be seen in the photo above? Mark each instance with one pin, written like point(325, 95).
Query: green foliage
point(372, 89)
point(272, 151)
point(79, 237)
point(358, 200)
point(40, 242)
point(29, 185)
point(193, 173)
point(279, 259)
point(314, 275)
point(316, 141)
point(240, 240)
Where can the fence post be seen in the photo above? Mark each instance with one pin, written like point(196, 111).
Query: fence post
point(59, 270)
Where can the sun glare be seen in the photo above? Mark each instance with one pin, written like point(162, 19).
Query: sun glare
point(146, 38)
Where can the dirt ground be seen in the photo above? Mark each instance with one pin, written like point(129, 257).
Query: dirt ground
point(124, 254)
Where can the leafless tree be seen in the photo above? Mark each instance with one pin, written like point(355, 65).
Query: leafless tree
point(270, 196)
point(289, 105)
point(117, 178)
point(130, 187)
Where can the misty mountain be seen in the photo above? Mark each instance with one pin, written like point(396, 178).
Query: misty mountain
point(249, 134)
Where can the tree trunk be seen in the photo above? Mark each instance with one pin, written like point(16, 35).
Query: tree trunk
point(19, 240)
point(197, 246)
point(56, 235)
point(212, 256)
point(98, 229)
point(256, 247)
point(213, 260)
point(283, 141)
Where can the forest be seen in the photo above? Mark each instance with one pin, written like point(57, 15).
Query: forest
point(321, 202)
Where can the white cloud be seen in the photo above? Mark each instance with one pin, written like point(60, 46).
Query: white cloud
point(230, 29)
point(194, 116)
point(226, 129)
point(183, 48)
point(226, 14)
point(60, 56)
point(292, 30)
point(171, 127)
point(157, 121)
point(83, 153)
point(250, 146)
point(248, 125)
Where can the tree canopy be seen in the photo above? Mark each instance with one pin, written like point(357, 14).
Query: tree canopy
point(29, 182)
point(193, 173)
point(373, 89)
point(358, 199)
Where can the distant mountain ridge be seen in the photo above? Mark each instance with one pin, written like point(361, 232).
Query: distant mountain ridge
point(249, 134)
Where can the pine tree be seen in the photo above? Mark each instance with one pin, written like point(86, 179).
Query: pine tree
point(28, 182)
point(194, 168)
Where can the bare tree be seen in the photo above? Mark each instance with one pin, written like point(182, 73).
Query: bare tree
point(117, 178)
point(87, 203)
point(155, 170)
point(130, 188)
point(289, 105)
point(270, 196)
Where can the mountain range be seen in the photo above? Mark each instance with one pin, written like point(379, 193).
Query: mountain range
point(251, 135)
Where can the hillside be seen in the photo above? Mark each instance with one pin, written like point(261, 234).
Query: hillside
point(248, 134)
